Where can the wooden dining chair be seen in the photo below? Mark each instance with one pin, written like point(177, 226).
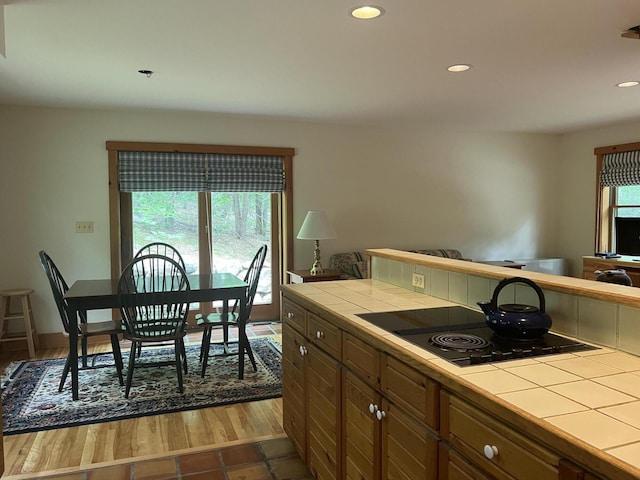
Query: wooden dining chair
point(163, 321)
point(232, 318)
point(85, 329)
point(161, 248)
point(164, 249)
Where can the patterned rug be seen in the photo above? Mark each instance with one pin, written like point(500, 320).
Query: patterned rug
point(31, 401)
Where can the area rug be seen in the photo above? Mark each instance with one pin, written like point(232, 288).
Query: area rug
point(31, 401)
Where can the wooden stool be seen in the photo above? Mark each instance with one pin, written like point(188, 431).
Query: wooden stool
point(26, 315)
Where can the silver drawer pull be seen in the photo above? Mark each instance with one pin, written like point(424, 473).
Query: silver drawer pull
point(319, 334)
point(303, 350)
point(290, 315)
point(380, 415)
point(373, 408)
point(490, 451)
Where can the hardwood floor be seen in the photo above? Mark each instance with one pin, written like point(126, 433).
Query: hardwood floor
point(147, 437)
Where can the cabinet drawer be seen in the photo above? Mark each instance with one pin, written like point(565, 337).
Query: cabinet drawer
point(471, 432)
point(323, 334)
point(293, 315)
point(411, 390)
point(362, 359)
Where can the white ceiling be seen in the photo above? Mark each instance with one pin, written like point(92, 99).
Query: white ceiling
point(538, 65)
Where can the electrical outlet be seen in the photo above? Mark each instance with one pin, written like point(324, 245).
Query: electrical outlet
point(84, 227)
point(418, 280)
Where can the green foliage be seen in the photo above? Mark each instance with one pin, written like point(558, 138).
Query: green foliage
point(240, 221)
point(628, 195)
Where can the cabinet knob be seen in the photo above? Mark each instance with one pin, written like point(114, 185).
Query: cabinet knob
point(290, 315)
point(490, 451)
point(373, 408)
point(380, 414)
point(319, 334)
point(303, 350)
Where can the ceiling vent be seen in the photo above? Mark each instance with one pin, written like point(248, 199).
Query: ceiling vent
point(633, 32)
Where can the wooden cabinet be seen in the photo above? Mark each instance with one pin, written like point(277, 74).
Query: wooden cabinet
point(494, 448)
point(381, 441)
point(409, 448)
point(294, 398)
point(323, 415)
point(452, 466)
point(355, 412)
point(592, 264)
point(361, 429)
point(304, 276)
point(412, 391)
point(311, 390)
point(386, 417)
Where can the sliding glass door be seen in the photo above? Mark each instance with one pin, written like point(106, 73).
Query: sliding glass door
point(223, 238)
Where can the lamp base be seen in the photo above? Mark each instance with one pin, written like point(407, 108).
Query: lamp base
point(316, 268)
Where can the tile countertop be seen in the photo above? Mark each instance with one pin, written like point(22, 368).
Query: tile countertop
point(592, 396)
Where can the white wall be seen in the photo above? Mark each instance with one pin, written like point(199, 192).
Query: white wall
point(577, 205)
point(490, 195)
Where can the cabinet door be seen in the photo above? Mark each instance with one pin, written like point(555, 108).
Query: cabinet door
point(414, 392)
point(323, 414)
point(294, 401)
point(453, 467)
point(409, 448)
point(361, 434)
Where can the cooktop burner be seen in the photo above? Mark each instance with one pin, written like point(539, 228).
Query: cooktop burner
point(461, 336)
point(459, 341)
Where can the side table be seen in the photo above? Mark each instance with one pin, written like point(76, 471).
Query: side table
point(303, 276)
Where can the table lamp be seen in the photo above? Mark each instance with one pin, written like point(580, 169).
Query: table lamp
point(316, 227)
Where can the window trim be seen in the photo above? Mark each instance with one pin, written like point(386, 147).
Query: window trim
point(604, 200)
point(282, 204)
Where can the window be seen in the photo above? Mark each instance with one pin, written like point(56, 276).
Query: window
point(213, 230)
point(618, 199)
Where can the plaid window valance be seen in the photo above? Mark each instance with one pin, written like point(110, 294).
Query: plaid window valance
point(619, 169)
point(201, 172)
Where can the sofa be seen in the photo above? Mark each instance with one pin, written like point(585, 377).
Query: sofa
point(355, 265)
point(351, 265)
point(442, 252)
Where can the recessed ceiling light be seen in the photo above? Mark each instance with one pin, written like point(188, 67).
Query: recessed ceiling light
point(632, 83)
point(366, 12)
point(459, 67)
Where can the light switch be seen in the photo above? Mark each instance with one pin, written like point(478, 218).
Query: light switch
point(84, 227)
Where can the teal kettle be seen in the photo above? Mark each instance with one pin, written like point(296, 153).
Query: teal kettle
point(515, 320)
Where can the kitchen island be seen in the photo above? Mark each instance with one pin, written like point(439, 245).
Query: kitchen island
point(360, 402)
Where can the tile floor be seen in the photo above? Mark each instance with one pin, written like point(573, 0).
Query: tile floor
point(274, 459)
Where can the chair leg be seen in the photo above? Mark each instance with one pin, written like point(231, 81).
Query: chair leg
point(249, 351)
point(117, 356)
point(225, 337)
point(204, 334)
point(183, 352)
point(132, 357)
point(179, 347)
point(245, 347)
point(206, 344)
point(65, 372)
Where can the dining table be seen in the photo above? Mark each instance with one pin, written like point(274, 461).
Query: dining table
point(103, 294)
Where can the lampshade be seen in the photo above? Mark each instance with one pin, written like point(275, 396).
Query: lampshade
point(316, 226)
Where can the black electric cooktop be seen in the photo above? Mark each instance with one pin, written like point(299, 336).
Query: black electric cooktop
point(461, 336)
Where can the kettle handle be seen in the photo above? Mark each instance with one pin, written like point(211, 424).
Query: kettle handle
point(507, 281)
